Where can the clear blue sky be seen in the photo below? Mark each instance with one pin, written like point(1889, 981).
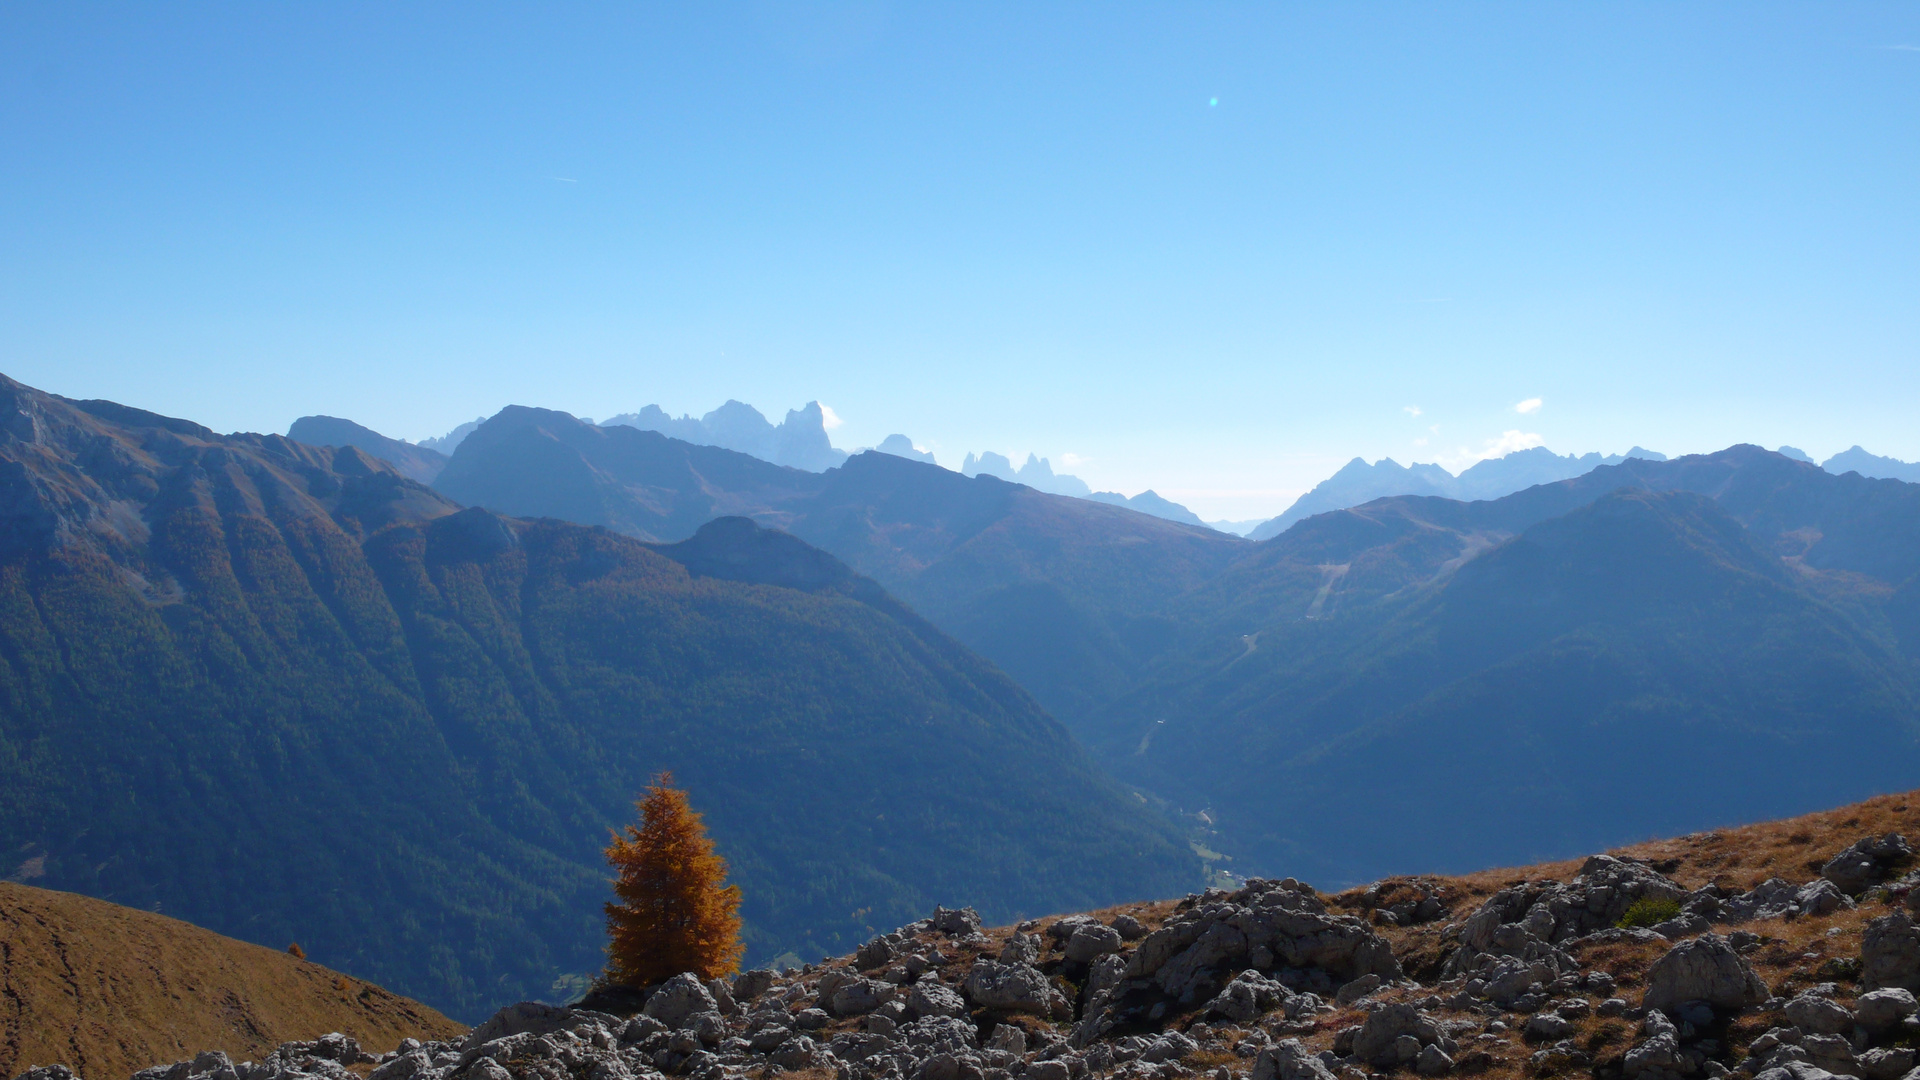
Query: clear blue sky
point(1214, 250)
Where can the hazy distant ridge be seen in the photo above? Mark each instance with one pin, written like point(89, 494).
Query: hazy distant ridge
point(1358, 483)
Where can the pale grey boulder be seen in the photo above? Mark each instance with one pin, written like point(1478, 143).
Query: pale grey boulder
point(1704, 969)
point(749, 985)
point(1289, 1059)
point(1089, 943)
point(1882, 1010)
point(1869, 861)
point(1016, 988)
point(1393, 1035)
point(1281, 922)
point(1890, 953)
point(1813, 1011)
point(859, 996)
point(961, 922)
point(679, 998)
point(1248, 997)
point(929, 998)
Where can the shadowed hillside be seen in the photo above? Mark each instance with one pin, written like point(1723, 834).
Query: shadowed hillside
point(290, 695)
point(1062, 593)
point(1642, 649)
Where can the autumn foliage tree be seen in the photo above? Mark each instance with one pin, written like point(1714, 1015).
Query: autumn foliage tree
point(672, 911)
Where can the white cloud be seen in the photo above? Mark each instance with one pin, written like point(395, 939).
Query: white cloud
point(1411, 410)
point(1507, 443)
point(829, 419)
point(1904, 48)
point(1421, 441)
point(1529, 406)
point(1071, 460)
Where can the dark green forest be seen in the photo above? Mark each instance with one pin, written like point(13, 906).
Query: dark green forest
point(281, 692)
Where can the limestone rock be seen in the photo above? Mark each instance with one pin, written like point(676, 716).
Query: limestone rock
point(1289, 1059)
point(929, 998)
point(1704, 969)
point(1016, 988)
point(859, 996)
point(1816, 1012)
point(1248, 997)
point(1282, 919)
point(1883, 1009)
point(964, 922)
point(1384, 1037)
point(679, 998)
point(1089, 943)
point(1869, 861)
point(1890, 953)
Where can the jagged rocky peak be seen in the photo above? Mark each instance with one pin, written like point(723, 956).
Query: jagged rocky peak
point(799, 440)
point(901, 446)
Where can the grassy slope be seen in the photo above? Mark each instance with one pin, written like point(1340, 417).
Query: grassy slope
point(108, 990)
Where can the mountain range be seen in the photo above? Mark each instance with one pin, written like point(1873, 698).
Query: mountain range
point(289, 694)
point(1358, 482)
point(800, 440)
point(1872, 465)
point(1739, 599)
point(1580, 648)
point(863, 668)
point(1056, 591)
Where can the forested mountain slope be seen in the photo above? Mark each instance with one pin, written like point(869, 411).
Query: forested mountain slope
point(289, 695)
point(1651, 647)
point(1061, 593)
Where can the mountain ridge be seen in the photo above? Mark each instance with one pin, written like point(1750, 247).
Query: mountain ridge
point(287, 693)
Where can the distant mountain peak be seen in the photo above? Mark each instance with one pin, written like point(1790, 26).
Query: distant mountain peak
point(414, 462)
point(1873, 466)
point(1357, 482)
point(799, 440)
point(901, 446)
point(1037, 473)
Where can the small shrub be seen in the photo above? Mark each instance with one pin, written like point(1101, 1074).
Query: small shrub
point(1840, 969)
point(294, 950)
point(1648, 911)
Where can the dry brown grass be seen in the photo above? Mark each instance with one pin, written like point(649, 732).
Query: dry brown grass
point(108, 990)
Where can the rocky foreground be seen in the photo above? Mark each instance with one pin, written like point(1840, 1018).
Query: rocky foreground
point(1615, 967)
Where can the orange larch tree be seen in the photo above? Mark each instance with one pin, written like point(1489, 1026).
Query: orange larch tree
point(673, 913)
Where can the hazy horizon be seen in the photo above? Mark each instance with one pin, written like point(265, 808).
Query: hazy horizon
point(1216, 253)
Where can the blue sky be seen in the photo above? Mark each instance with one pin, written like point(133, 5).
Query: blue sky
point(1213, 250)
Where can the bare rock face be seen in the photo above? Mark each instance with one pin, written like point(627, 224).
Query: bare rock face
point(1248, 997)
point(1704, 969)
point(1289, 1059)
point(678, 998)
point(1283, 922)
point(1890, 953)
point(1816, 1012)
point(1884, 1009)
point(1868, 862)
point(1089, 943)
point(1394, 1035)
point(929, 998)
point(1016, 988)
